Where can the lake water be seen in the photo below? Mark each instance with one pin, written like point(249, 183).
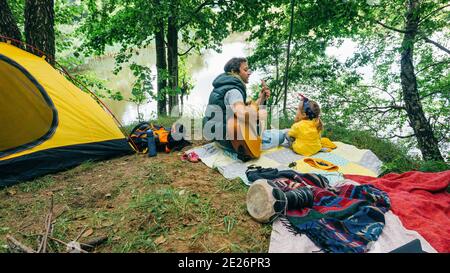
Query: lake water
point(203, 68)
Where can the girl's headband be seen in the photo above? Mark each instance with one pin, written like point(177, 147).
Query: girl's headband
point(307, 108)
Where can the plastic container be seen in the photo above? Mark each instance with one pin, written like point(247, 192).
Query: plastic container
point(151, 143)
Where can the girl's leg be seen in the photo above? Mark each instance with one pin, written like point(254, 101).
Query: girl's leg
point(272, 138)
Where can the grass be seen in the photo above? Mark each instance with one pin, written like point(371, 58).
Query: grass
point(37, 184)
point(141, 204)
point(232, 185)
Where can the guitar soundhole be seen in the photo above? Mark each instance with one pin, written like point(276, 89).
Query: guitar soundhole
point(241, 149)
point(242, 154)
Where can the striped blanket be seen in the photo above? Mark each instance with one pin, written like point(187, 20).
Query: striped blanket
point(346, 222)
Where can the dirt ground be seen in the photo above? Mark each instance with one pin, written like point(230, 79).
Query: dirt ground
point(140, 203)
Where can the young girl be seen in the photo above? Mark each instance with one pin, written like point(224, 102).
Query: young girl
point(307, 128)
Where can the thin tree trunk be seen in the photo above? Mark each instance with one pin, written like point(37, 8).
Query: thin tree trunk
point(161, 66)
point(39, 26)
point(172, 56)
point(8, 25)
point(427, 142)
point(291, 26)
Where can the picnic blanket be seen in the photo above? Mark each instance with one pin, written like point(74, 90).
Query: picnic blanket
point(420, 201)
point(348, 158)
point(393, 236)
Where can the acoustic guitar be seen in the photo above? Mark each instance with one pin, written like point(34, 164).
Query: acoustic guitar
point(246, 140)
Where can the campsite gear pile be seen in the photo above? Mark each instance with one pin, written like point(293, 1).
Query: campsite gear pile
point(344, 219)
point(48, 124)
point(150, 138)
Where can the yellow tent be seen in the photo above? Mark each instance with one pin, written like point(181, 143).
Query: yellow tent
point(47, 124)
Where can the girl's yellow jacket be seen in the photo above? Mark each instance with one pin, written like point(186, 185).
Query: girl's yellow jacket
point(307, 137)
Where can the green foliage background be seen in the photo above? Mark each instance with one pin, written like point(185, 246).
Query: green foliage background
point(356, 106)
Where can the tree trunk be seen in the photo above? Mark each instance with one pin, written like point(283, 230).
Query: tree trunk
point(8, 25)
point(428, 144)
point(172, 56)
point(39, 26)
point(291, 26)
point(161, 66)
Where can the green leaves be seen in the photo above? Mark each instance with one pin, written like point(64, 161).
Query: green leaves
point(142, 89)
point(97, 86)
point(364, 92)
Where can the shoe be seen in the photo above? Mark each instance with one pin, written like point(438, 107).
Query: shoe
point(191, 157)
point(265, 202)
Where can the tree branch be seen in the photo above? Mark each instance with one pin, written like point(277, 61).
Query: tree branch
point(442, 134)
point(395, 135)
point(48, 229)
point(15, 245)
point(433, 12)
point(436, 44)
point(431, 65)
point(430, 94)
point(385, 109)
point(381, 89)
point(391, 28)
point(193, 14)
point(376, 131)
point(186, 52)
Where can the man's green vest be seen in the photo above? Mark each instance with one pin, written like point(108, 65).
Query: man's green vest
point(222, 84)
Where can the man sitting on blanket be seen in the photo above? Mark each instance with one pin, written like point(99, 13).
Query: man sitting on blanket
point(228, 99)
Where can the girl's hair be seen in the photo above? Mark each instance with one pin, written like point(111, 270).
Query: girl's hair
point(315, 108)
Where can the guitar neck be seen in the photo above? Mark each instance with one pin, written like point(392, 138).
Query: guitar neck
point(264, 100)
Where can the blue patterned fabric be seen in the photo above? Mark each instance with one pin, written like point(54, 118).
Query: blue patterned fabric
point(343, 222)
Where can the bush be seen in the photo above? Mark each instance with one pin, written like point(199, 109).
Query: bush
point(434, 166)
point(394, 156)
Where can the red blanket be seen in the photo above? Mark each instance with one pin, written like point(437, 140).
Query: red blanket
point(420, 201)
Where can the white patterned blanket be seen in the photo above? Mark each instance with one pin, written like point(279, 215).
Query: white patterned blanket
point(348, 158)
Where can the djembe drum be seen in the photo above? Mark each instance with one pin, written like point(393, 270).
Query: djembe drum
point(266, 200)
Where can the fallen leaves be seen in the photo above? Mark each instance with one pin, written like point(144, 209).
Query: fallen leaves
point(87, 233)
point(160, 240)
point(11, 192)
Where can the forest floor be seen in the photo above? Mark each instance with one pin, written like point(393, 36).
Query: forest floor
point(140, 203)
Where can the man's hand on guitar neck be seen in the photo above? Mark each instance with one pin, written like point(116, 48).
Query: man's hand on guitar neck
point(240, 109)
point(264, 94)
